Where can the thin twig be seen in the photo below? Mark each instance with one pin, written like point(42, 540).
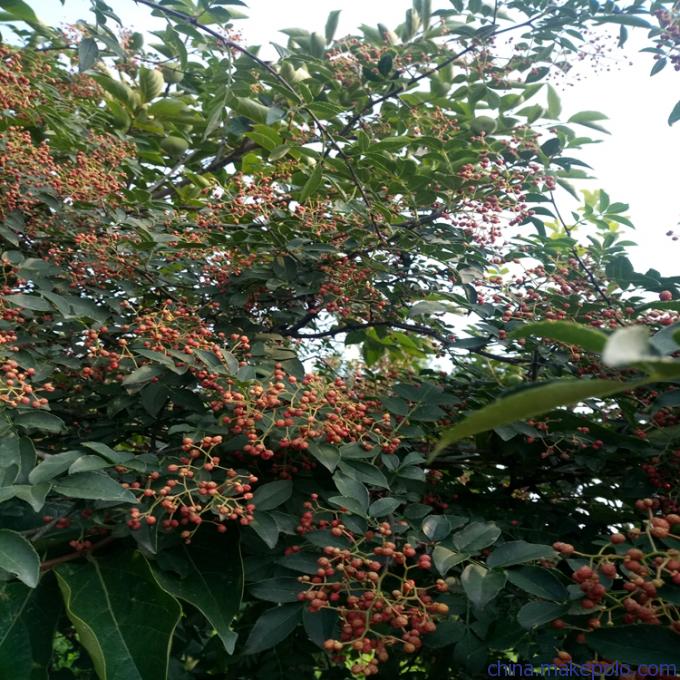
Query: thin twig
point(69, 557)
point(578, 258)
point(36, 534)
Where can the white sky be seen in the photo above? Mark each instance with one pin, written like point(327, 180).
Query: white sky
point(639, 163)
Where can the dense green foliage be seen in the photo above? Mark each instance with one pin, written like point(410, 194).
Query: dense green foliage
point(303, 367)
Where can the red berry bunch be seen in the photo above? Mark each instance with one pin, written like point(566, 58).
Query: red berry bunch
point(16, 389)
point(624, 580)
point(196, 490)
point(383, 592)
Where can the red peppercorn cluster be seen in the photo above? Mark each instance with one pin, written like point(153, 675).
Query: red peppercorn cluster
point(669, 20)
point(194, 491)
point(622, 583)
point(16, 389)
point(285, 414)
point(92, 177)
point(663, 472)
point(348, 290)
point(383, 592)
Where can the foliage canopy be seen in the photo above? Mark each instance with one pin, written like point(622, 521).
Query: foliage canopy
point(303, 365)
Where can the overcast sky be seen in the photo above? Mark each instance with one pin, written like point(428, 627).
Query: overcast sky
point(639, 163)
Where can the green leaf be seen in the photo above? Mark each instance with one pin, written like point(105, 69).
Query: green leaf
point(88, 464)
point(154, 397)
point(539, 613)
point(20, 10)
point(211, 579)
point(119, 104)
point(659, 65)
point(7, 493)
point(141, 376)
point(18, 557)
point(33, 302)
point(563, 331)
point(621, 270)
point(105, 451)
point(331, 25)
point(481, 585)
point(328, 456)
point(350, 488)
point(385, 64)
point(88, 53)
point(587, 119)
point(211, 360)
point(364, 472)
point(383, 506)
point(476, 536)
point(675, 114)
point(321, 625)
point(637, 644)
point(123, 618)
point(412, 472)
point(279, 152)
point(157, 357)
point(538, 581)
point(265, 136)
point(271, 495)
point(518, 552)
point(10, 458)
point(351, 504)
point(436, 527)
point(53, 466)
point(264, 525)
point(28, 618)
point(214, 114)
point(279, 589)
point(312, 184)
point(667, 340)
point(40, 420)
point(151, 83)
point(33, 494)
point(624, 20)
point(444, 559)
point(528, 403)
point(554, 105)
point(93, 485)
point(395, 405)
point(304, 563)
point(317, 45)
point(274, 626)
point(472, 654)
point(428, 413)
point(251, 109)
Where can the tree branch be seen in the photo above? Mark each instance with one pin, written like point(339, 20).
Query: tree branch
point(69, 557)
point(412, 328)
point(159, 191)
